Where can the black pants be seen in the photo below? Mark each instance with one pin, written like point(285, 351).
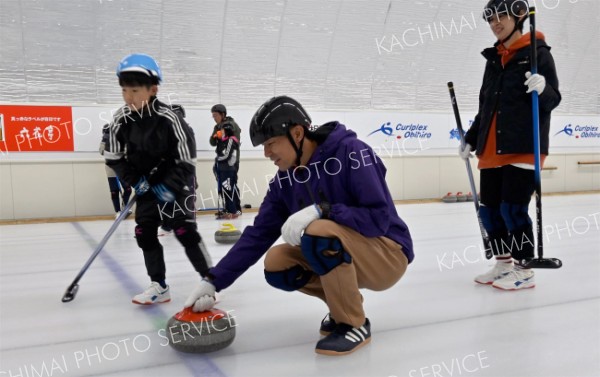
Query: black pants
point(229, 191)
point(180, 216)
point(505, 195)
point(114, 184)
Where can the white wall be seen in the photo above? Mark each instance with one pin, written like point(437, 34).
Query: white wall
point(50, 188)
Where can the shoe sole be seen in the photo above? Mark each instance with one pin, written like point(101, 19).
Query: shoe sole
point(150, 303)
point(334, 353)
point(512, 289)
point(324, 333)
point(488, 283)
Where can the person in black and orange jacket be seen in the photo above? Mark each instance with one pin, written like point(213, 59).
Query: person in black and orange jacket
point(502, 136)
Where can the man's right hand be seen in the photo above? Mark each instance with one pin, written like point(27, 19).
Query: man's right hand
point(202, 297)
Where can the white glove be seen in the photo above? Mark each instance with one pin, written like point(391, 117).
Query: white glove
point(466, 152)
point(202, 298)
point(535, 82)
point(294, 226)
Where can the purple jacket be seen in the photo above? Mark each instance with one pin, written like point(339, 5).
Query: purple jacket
point(343, 171)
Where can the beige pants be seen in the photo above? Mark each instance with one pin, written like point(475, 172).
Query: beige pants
point(377, 264)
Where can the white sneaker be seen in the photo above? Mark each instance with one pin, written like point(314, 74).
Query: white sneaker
point(518, 278)
point(154, 293)
point(497, 272)
point(117, 215)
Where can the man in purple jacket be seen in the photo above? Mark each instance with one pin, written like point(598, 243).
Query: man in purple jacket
point(330, 202)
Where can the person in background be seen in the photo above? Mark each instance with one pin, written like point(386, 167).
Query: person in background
point(228, 149)
point(119, 197)
point(219, 114)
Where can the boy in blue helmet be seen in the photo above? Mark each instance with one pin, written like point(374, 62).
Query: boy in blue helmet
point(502, 136)
point(152, 148)
point(330, 202)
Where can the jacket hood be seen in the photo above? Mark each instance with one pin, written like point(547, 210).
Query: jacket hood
point(519, 47)
point(329, 136)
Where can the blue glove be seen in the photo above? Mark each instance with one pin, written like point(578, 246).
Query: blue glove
point(163, 193)
point(142, 186)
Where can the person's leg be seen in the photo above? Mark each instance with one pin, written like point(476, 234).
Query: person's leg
point(220, 199)
point(148, 219)
point(182, 219)
point(227, 184)
point(126, 192)
point(491, 181)
point(359, 262)
point(236, 193)
point(517, 188)
point(113, 185)
point(332, 264)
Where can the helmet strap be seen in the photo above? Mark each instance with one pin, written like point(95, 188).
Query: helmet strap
point(296, 148)
point(518, 22)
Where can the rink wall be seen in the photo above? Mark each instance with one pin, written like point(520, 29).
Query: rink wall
point(419, 151)
point(67, 188)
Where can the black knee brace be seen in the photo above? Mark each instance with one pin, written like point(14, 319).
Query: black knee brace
point(187, 234)
point(195, 250)
point(323, 254)
point(288, 280)
point(146, 237)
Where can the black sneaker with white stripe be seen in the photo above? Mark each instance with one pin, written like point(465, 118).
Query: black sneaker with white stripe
point(344, 339)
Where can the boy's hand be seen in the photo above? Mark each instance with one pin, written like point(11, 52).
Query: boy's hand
point(142, 186)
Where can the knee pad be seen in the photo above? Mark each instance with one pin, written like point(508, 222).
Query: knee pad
point(492, 221)
point(288, 280)
point(323, 254)
point(515, 215)
point(146, 237)
point(187, 234)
